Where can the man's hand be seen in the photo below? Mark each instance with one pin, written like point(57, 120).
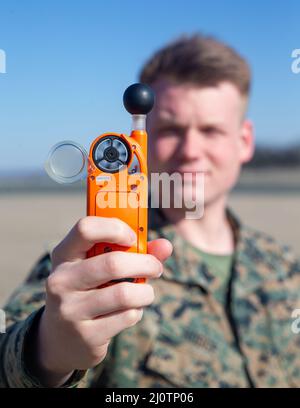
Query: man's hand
point(80, 318)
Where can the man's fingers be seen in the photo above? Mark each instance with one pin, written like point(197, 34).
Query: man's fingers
point(161, 248)
point(93, 272)
point(87, 232)
point(121, 296)
point(111, 324)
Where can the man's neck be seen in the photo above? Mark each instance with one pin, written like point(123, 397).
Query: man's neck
point(212, 233)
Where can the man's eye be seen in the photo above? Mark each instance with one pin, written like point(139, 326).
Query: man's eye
point(211, 131)
point(169, 131)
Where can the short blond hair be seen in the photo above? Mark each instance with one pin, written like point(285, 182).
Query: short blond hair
point(199, 60)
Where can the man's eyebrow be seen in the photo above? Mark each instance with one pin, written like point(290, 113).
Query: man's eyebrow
point(164, 121)
point(168, 118)
point(172, 122)
point(165, 115)
point(210, 124)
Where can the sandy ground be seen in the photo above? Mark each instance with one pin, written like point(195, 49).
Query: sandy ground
point(32, 223)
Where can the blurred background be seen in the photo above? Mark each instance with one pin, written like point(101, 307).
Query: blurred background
point(67, 65)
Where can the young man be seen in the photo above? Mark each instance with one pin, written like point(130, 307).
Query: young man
point(221, 316)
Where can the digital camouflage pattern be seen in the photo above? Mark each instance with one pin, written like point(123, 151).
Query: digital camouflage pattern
point(186, 338)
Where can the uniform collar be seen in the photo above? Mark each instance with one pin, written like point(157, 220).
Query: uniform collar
point(186, 266)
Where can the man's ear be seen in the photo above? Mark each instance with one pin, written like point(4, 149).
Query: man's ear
point(247, 141)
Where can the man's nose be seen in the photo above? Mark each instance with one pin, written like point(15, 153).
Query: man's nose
point(192, 145)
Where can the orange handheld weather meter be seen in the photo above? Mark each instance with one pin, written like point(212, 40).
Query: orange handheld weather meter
point(116, 173)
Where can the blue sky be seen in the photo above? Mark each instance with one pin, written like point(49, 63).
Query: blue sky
point(68, 64)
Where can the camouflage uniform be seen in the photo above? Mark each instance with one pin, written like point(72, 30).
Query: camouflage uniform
point(186, 338)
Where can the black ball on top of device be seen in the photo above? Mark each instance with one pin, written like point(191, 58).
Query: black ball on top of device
point(138, 99)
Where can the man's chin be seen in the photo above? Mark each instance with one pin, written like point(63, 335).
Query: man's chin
point(200, 198)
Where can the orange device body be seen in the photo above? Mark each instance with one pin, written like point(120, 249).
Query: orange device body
point(121, 194)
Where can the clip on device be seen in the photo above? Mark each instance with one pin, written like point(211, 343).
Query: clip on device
point(116, 173)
